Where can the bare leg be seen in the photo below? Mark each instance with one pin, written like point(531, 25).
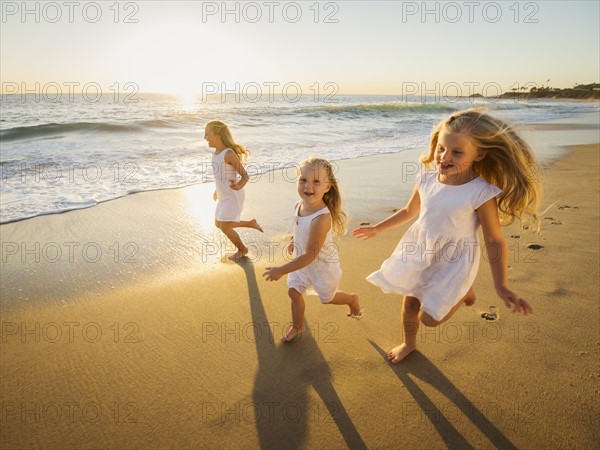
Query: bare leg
point(412, 316)
point(410, 324)
point(227, 228)
point(247, 224)
point(469, 297)
point(429, 321)
point(298, 306)
point(343, 298)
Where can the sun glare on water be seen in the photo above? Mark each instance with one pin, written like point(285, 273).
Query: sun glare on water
point(188, 100)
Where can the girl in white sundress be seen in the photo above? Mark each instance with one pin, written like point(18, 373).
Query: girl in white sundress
point(484, 172)
point(315, 268)
point(228, 162)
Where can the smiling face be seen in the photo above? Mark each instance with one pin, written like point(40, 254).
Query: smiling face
point(312, 185)
point(454, 157)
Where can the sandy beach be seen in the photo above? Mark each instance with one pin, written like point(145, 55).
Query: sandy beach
point(124, 326)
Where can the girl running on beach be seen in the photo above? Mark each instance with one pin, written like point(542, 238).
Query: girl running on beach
point(315, 268)
point(484, 172)
point(228, 161)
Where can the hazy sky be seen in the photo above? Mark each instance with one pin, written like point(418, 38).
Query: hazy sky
point(362, 47)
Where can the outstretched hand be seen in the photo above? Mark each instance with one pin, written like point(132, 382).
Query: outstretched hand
point(514, 302)
point(272, 273)
point(365, 232)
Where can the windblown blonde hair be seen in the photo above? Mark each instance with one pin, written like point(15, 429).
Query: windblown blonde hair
point(222, 130)
point(332, 198)
point(508, 163)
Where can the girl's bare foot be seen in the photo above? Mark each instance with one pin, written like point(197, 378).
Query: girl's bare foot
point(293, 334)
point(354, 307)
point(239, 254)
point(469, 299)
point(254, 224)
point(397, 354)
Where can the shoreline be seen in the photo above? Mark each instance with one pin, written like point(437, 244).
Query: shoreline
point(136, 249)
point(583, 121)
point(182, 352)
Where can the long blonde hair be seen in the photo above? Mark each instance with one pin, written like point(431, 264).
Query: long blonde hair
point(508, 163)
point(222, 130)
point(332, 198)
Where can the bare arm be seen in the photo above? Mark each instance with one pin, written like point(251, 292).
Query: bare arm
point(497, 251)
point(406, 214)
point(316, 238)
point(233, 159)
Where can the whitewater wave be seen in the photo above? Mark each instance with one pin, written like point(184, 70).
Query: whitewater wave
point(52, 130)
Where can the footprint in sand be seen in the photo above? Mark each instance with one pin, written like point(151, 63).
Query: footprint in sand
point(491, 315)
point(556, 221)
point(535, 246)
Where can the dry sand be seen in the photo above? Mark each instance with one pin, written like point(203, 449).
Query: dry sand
point(162, 343)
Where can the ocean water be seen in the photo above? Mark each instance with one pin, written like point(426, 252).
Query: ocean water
point(71, 153)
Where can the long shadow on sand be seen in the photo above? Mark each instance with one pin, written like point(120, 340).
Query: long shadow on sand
point(419, 366)
point(286, 372)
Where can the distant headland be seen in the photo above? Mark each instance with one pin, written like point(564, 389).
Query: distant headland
point(578, 92)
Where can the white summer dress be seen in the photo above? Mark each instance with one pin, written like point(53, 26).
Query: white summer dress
point(322, 276)
point(437, 259)
point(229, 202)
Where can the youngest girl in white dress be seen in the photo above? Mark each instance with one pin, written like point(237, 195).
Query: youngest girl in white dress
point(321, 277)
point(315, 268)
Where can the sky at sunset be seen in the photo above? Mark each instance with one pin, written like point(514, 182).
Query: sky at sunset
point(360, 47)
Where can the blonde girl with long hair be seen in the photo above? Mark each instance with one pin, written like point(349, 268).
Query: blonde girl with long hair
point(230, 176)
point(484, 174)
point(315, 268)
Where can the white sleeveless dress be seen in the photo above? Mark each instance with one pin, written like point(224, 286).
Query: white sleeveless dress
point(322, 276)
point(437, 259)
point(229, 202)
